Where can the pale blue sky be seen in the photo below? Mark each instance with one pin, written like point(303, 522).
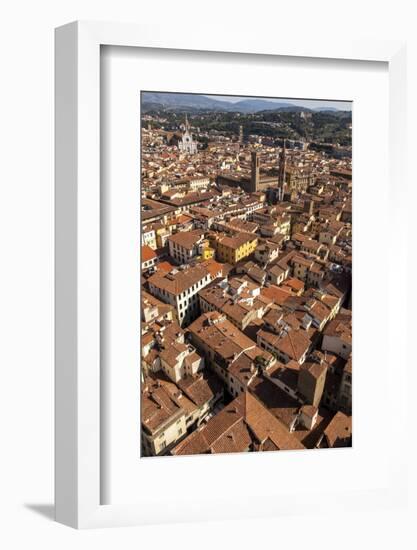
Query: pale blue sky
point(308, 103)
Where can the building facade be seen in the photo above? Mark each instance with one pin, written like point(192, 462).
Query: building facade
point(180, 289)
point(233, 249)
point(187, 144)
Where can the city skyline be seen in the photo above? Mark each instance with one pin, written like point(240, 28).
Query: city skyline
point(307, 103)
point(246, 276)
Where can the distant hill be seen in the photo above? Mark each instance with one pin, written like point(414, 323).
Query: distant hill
point(256, 105)
point(196, 102)
point(173, 101)
point(289, 109)
point(327, 109)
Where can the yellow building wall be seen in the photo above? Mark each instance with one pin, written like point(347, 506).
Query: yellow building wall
point(208, 253)
point(232, 256)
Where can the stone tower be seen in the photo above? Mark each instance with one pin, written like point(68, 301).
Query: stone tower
point(254, 176)
point(281, 173)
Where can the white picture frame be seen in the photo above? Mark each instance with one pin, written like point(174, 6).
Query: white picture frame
point(77, 242)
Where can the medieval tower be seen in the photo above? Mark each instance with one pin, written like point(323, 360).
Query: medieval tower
point(281, 173)
point(255, 170)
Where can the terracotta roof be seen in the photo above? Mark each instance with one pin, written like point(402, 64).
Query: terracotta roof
point(177, 283)
point(157, 407)
point(276, 400)
point(149, 300)
point(294, 343)
point(311, 438)
point(172, 352)
point(244, 424)
point(165, 266)
point(213, 267)
point(278, 295)
point(340, 329)
point(339, 432)
point(294, 283)
point(237, 240)
point(147, 253)
point(264, 425)
point(243, 225)
point(201, 389)
point(192, 198)
point(235, 311)
point(302, 261)
point(151, 209)
point(286, 373)
point(237, 352)
point(186, 239)
point(315, 369)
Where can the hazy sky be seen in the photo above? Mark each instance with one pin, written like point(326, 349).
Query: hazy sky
point(309, 103)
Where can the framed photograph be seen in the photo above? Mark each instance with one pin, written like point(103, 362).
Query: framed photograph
point(227, 275)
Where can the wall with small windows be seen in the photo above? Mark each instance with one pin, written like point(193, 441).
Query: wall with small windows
point(165, 439)
point(336, 345)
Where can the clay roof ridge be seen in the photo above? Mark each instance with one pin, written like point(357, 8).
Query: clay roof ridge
point(292, 344)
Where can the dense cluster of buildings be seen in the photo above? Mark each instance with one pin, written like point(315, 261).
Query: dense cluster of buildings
point(246, 262)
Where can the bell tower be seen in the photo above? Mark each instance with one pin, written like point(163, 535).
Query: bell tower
point(281, 172)
point(254, 177)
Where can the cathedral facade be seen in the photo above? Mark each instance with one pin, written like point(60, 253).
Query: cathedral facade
point(187, 143)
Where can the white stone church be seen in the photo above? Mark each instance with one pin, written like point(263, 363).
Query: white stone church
point(188, 144)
